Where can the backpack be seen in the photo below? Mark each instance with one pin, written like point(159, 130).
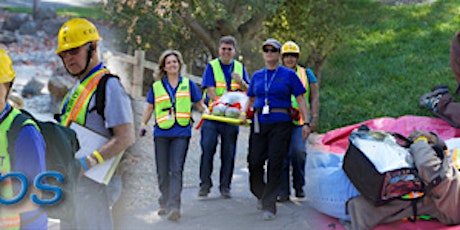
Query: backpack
point(380, 167)
point(61, 146)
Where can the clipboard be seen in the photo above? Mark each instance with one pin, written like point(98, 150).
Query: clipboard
point(90, 141)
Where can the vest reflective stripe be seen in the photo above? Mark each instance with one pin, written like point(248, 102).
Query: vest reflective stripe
point(182, 111)
point(78, 103)
point(302, 74)
point(219, 77)
point(8, 221)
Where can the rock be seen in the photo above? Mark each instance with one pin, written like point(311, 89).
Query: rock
point(28, 28)
point(7, 37)
point(58, 86)
point(16, 100)
point(15, 21)
point(32, 88)
point(50, 26)
point(45, 14)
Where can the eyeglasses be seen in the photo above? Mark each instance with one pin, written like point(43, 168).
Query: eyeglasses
point(272, 50)
point(227, 49)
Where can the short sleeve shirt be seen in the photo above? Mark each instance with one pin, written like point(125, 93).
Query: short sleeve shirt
point(281, 84)
point(176, 130)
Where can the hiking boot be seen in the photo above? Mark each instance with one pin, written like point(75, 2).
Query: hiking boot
point(162, 211)
point(268, 215)
point(430, 100)
point(174, 215)
point(299, 193)
point(203, 192)
point(282, 198)
point(260, 205)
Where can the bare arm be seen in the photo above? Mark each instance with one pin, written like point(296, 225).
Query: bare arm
point(146, 118)
point(123, 137)
point(211, 91)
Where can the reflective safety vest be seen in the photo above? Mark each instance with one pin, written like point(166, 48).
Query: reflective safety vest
point(8, 221)
point(166, 114)
point(76, 105)
point(302, 74)
point(219, 76)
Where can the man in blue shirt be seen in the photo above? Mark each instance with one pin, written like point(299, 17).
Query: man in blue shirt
point(221, 75)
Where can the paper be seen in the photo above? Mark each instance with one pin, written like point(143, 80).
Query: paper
point(90, 141)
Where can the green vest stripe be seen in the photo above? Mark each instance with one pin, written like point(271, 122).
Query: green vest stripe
point(219, 76)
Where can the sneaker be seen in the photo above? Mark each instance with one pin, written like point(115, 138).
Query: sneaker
point(162, 211)
point(268, 215)
point(282, 198)
point(430, 100)
point(174, 215)
point(260, 205)
point(299, 193)
point(203, 192)
point(225, 194)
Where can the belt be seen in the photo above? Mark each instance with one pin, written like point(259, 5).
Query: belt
point(275, 110)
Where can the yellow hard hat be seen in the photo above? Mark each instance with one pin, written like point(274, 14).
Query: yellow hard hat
point(7, 73)
point(290, 47)
point(75, 33)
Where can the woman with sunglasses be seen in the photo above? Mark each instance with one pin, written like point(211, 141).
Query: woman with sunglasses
point(269, 95)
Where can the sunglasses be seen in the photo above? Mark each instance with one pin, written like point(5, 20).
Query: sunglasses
point(227, 49)
point(71, 52)
point(271, 50)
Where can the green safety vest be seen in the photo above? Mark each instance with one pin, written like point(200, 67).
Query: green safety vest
point(219, 76)
point(77, 103)
point(165, 115)
point(302, 74)
point(8, 221)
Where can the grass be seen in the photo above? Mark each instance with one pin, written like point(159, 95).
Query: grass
point(389, 58)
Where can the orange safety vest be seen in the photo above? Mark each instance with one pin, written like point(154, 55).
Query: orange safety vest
point(302, 74)
point(78, 102)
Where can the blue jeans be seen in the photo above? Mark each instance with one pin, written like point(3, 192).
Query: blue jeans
point(209, 134)
point(94, 203)
point(296, 158)
point(170, 153)
point(327, 188)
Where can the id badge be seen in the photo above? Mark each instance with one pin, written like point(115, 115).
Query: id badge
point(266, 109)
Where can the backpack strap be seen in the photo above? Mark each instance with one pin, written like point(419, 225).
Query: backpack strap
point(13, 133)
point(100, 94)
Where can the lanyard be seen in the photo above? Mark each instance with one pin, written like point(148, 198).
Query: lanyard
point(269, 84)
point(171, 91)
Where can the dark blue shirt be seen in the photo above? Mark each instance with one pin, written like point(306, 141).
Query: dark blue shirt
point(284, 83)
point(208, 79)
point(176, 130)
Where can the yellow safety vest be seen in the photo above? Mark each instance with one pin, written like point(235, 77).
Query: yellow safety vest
point(302, 74)
point(78, 102)
point(8, 221)
point(165, 114)
point(219, 77)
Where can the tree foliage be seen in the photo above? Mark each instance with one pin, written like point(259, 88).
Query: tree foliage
point(315, 25)
point(192, 26)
